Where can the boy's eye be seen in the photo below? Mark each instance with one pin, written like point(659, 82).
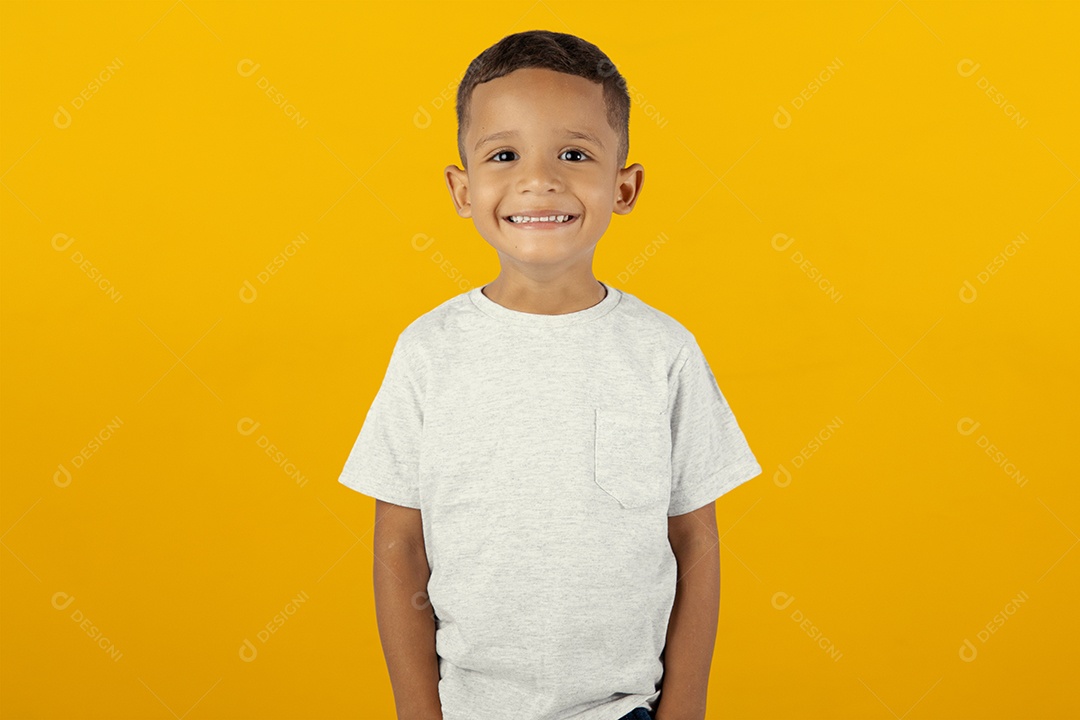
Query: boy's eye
point(511, 152)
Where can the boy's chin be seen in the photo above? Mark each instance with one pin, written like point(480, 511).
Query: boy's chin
point(533, 251)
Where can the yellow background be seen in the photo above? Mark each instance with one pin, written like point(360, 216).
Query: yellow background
point(887, 564)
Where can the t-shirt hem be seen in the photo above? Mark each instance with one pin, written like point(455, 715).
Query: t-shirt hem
point(371, 489)
point(722, 482)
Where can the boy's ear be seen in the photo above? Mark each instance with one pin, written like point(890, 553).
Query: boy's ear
point(628, 188)
point(457, 181)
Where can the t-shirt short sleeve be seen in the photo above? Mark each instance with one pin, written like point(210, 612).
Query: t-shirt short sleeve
point(384, 462)
point(709, 453)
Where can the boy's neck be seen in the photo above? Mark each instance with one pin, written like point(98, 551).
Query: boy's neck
point(554, 298)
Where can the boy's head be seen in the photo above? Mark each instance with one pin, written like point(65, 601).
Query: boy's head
point(560, 52)
point(543, 128)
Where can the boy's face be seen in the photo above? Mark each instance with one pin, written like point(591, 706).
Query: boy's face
point(541, 169)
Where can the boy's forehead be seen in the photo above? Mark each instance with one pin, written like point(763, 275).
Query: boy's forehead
point(538, 98)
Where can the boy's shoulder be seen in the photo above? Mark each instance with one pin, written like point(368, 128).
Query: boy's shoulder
point(650, 317)
point(440, 320)
point(668, 333)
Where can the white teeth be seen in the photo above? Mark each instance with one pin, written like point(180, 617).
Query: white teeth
point(545, 218)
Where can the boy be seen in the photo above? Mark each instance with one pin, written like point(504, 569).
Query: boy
point(545, 450)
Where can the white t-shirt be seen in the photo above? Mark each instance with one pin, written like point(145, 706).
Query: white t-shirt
point(546, 453)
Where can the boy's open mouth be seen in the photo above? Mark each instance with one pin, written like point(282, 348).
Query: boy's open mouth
point(545, 221)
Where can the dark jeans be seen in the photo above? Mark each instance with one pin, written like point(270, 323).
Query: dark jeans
point(637, 714)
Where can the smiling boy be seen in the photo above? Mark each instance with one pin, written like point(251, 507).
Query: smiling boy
point(545, 451)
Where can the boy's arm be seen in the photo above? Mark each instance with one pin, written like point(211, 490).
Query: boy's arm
point(404, 615)
point(692, 627)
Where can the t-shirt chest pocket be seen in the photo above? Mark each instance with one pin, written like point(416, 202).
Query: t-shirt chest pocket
point(632, 461)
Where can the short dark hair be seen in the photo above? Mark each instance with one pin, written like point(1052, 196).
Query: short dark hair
point(560, 52)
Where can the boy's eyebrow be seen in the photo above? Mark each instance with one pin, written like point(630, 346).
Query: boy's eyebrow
point(580, 134)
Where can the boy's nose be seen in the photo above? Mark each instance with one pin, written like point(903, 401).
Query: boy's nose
point(539, 174)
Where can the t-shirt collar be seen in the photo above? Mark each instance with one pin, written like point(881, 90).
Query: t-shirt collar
point(505, 314)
